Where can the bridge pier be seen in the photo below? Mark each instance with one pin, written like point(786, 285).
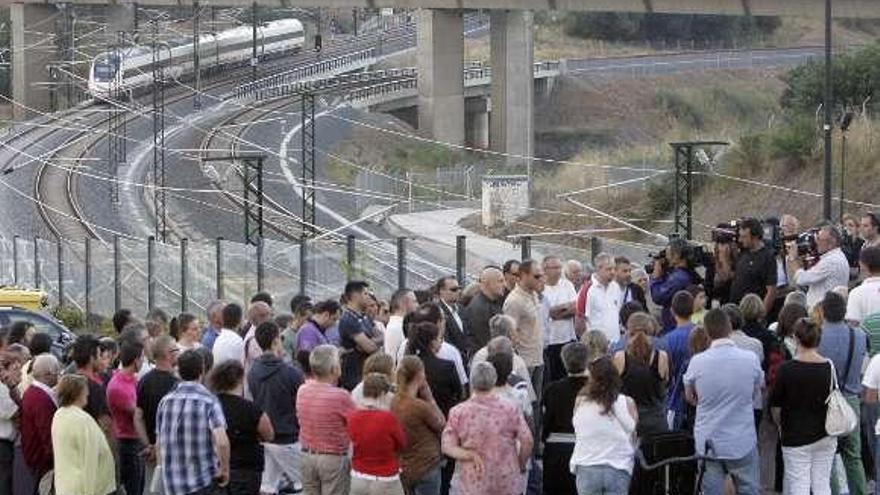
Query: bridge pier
point(476, 124)
point(440, 54)
point(512, 59)
point(33, 48)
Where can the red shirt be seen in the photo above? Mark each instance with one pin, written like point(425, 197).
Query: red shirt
point(37, 411)
point(122, 400)
point(321, 410)
point(377, 438)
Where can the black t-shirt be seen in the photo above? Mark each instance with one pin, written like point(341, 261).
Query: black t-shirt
point(97, 404)
point(755, 271)
point(801, 390)
point(151, 389)
point(242, 419)
point(350, 325)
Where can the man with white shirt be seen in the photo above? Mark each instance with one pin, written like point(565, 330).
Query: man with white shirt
point(560, 295)
point(831, 271)
point(430, 312)
point(863, 304)
point(603, 300)
point(229, 344)
point(403, 302)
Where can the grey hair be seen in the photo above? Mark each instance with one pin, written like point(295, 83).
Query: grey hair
point(566, 269)
point(796, 297)
point(575, 357)
point(501, 325)
point(45, 363)
point(603, 259)
point(500, 344)
point(323, 360)
point(639, 273)
point(834, 232)
point(214, 307)
point(483, 377)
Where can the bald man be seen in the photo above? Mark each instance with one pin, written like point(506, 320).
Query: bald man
point(259, 312)
point(486, 304)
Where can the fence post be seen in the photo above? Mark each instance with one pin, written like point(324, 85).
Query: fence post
point(349, 256)
point(595, 248)
point(303, 266)
point(117, 284)
point(260, 267)
point(37, 274)
point(401, 262)
point(88, 273)
point(60, 272)
point(184, 243)
point(460, 258)
point(151, 273)
point(219, 263)
point(526, 247)
point(15, 260)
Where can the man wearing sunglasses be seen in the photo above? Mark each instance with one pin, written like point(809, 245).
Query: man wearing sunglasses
point(522, 305)
point(448, 292)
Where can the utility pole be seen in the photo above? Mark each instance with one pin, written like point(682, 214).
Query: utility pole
point(827, 127)
point(197, 94)
point(254, 44)
point(159, 197)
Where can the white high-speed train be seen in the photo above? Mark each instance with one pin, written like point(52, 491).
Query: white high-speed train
point(127, 69)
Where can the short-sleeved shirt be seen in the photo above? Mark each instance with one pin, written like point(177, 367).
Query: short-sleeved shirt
point(835, 346)
point(863, 306)
point(322, 410)
point(603, 308)
point(527, 340)
point(725, 378)
point(242, 420)
point(800, 391)
point(228, 346)
point(310, 336)
point(377, 437)
point(675, 343)
point(755, 271)
point(122, 399)
point(154, 386)
point(560, 331)
point(187, 417)
point(872, 380)
point(352, 324)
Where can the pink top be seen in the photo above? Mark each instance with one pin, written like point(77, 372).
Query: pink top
point(322, 410)
point(491, 426)
point(122, 400)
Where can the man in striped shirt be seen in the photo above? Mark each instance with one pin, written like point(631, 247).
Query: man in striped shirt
point(322, 408)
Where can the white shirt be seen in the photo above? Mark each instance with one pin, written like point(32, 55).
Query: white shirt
point(831, 271)
point(864, 300)
point(229, 345)
point(448, 352)
point(871, 379)
point(603, 439)
point(393, 336)
point(603, 309)
point(560, 331)
point(8, 408)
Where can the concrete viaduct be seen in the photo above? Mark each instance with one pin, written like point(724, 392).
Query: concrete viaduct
point(440, 49)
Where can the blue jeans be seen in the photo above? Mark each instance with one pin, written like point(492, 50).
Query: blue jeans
point(744, 472)
point(602, 480)
point(131, 465)
point(429, 484)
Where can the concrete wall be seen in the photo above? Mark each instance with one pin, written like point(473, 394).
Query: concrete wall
point(32, 49)
point(440, 50)
point(511, 128)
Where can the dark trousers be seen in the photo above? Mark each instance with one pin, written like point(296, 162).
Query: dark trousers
point(7, 456)
point(555, 370)
point(131, 465)
point(215, 489)
point(244, 481)
point(558, 479)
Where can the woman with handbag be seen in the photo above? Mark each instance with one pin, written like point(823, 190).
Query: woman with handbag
point(799, 405)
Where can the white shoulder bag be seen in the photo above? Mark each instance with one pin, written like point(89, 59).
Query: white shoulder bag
point(840, 419)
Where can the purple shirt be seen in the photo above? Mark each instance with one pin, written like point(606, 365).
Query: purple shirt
point(310, 336)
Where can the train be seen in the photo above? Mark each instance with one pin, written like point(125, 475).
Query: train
point(125, 71)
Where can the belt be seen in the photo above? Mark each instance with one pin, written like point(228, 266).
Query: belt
point(309, 450)
point(561, 438)
point(370, 477)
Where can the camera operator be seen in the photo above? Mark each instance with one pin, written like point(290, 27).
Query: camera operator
point(756, 270)
point(671, 274)
point(832, 269)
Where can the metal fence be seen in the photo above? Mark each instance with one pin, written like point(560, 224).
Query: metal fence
point(99, 277)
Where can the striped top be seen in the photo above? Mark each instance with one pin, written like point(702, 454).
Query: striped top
point(322, 409)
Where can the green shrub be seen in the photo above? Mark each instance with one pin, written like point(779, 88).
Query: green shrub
point(794, 142)
point(680, 108)
point(749, 153)
point(856, 80)
point(71, 317)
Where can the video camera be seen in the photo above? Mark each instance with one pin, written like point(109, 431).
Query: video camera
point(807, 249)
point(695, 254)
point(728, 233)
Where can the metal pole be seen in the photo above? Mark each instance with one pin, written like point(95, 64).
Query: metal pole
point(350, 256)
point(595, 248)
point(460, 258)
point(184, 261)
point(117, 283)
point(526, 247)
point(303, 265)
point(401, 262)
point(88, 288)
point(60, 248)
point(219, 262)
point(197, 95)
point(151, 273)
point(826, 189)
point(15, 259)
point(37, 274)
point(260, 266)
point(689, 206)
point(254, 41)
point(842, 174)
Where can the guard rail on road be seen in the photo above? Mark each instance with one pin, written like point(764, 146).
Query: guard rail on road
point(340, 82)
point(347, 62)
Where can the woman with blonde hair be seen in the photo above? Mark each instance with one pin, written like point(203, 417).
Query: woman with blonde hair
point(644, 370)
point(378, 362)
point(83, 462)
point(597, 344)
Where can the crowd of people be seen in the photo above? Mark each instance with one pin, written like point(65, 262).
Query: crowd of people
point(539, 377)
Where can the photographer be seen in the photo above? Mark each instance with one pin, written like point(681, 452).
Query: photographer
point(755, 271)
point(672, 273)
point(832, 269)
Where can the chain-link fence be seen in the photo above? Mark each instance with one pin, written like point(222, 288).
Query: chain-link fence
point(98, 277)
